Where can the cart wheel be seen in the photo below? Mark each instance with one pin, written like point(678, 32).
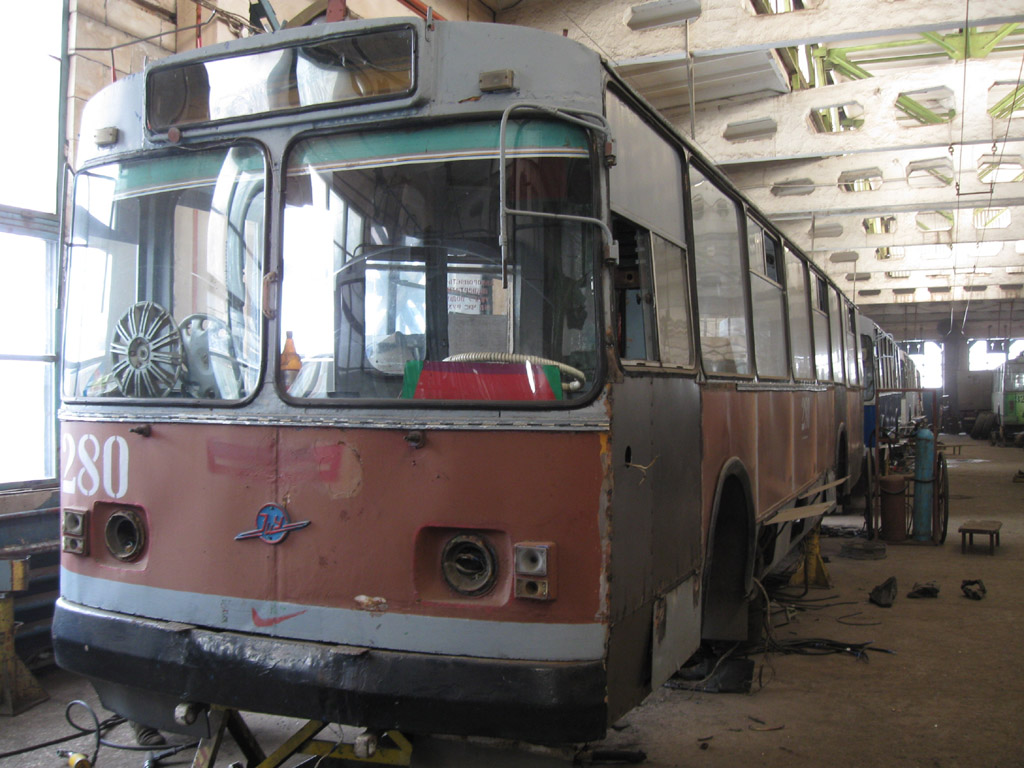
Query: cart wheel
point(940, 525)
point(872, 500)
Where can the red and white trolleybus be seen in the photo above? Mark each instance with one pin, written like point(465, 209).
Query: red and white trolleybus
point(561, 392)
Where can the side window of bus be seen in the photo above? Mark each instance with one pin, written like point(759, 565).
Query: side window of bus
point(819, 318)
point(799, 319)
point(646, 182)
point(672, 298)
point(885, 363)
point(634, 292)
point(766, 298)
point(853, 373)
point(720, 291)
point(835, 318)
point(867, 353)
point(891, 370)
point(646, 185)
point(651, 297)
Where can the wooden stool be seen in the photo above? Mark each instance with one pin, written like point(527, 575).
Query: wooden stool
point(971, 527)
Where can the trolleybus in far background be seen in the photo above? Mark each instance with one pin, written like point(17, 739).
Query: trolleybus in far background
point(893, 400)
point(1008, 400)
point(420, 376)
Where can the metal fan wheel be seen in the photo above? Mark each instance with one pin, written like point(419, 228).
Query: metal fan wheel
point(147, 351)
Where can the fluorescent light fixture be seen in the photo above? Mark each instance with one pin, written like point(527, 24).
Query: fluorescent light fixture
point(662, 13)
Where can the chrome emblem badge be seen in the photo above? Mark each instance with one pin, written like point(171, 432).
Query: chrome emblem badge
point(272, 525)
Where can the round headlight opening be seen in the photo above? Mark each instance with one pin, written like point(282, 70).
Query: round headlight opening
point(125, 535)
point(469, 565)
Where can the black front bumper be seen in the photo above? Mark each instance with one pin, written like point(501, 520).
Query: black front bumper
point(142, 668)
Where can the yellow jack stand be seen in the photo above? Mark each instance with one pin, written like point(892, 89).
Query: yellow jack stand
point(18, 688)
point(812, 572)
point(390, 748)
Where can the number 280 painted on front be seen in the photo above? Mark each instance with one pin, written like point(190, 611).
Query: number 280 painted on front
point(94, 463)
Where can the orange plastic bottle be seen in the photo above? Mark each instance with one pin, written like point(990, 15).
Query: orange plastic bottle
point(291, 363)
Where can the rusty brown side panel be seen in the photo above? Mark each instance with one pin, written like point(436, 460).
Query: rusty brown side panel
point(784, 440)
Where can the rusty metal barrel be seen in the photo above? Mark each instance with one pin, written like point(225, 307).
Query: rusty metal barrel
point(894, 507)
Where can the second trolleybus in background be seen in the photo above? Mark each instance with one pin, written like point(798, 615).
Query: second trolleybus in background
point(561, 394)
point(1008, 400)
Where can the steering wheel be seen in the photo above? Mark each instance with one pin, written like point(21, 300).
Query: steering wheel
point(578, 377)
point(209, 352)
point(146, 350)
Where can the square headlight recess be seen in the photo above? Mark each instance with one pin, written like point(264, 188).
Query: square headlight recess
point(535, 570)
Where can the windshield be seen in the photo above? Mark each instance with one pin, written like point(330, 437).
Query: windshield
point(393, 284)
point(164, 278)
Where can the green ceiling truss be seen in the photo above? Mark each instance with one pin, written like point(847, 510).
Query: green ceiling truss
point(972, 44)
point(1010, 103)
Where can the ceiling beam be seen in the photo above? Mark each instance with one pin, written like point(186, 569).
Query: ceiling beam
point(882, 129)
point(733, 27)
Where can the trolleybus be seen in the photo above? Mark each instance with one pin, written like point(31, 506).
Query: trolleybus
point(892, 384)
point(418, 375)
point(1008, 400)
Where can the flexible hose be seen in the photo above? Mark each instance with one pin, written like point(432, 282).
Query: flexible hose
point(513, 357)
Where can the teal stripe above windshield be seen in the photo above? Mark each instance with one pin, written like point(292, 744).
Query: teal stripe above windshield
point(458, 140)
point(186, 170)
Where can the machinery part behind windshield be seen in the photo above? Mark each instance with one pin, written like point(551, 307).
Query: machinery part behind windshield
point(146, 350)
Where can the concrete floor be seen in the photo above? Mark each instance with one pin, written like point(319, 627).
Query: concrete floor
point(950, 694)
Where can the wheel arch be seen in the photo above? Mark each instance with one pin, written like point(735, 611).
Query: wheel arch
point(729, 556)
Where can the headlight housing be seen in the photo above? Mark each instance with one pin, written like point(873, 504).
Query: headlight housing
point(469, 565)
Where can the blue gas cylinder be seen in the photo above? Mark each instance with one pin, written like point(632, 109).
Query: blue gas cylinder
point(924, 474)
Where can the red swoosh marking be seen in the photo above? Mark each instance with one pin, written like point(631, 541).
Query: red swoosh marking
point(259, 621)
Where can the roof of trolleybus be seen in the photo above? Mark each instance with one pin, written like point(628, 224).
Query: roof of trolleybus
point(343, 110)
point(443, 78)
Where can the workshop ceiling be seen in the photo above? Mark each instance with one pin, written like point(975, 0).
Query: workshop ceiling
point(885, 137)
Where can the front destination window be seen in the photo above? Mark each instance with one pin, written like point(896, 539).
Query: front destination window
point(393, 280)
point(164, 278)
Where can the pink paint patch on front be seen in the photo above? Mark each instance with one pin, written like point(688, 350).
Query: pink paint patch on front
point(259, 621)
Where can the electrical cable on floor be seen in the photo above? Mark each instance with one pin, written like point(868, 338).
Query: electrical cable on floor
point(106, 725)
point(812, 646)
point(96, 721)
point(98, 729)
point(769, 629)
point(171, 749)
point(821, 646)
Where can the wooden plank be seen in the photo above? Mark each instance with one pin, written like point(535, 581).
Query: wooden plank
point(799, 513)
point(819, 488)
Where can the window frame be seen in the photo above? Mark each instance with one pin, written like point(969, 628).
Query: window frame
point(592, 256)
point(262, 263)
point(45, 227)
point(819, 292)
point(760, 272)
point(741, 261)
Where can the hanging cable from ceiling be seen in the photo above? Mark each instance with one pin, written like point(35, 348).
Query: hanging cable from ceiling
point(998, 154)
point(960, 160)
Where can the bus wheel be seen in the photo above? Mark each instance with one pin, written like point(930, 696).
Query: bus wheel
point(940, 525)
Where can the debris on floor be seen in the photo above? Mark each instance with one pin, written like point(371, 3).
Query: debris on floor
point(884, 594)
point(928, 589)
point(973, 589)
point(711, 674)
point(863, 550)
